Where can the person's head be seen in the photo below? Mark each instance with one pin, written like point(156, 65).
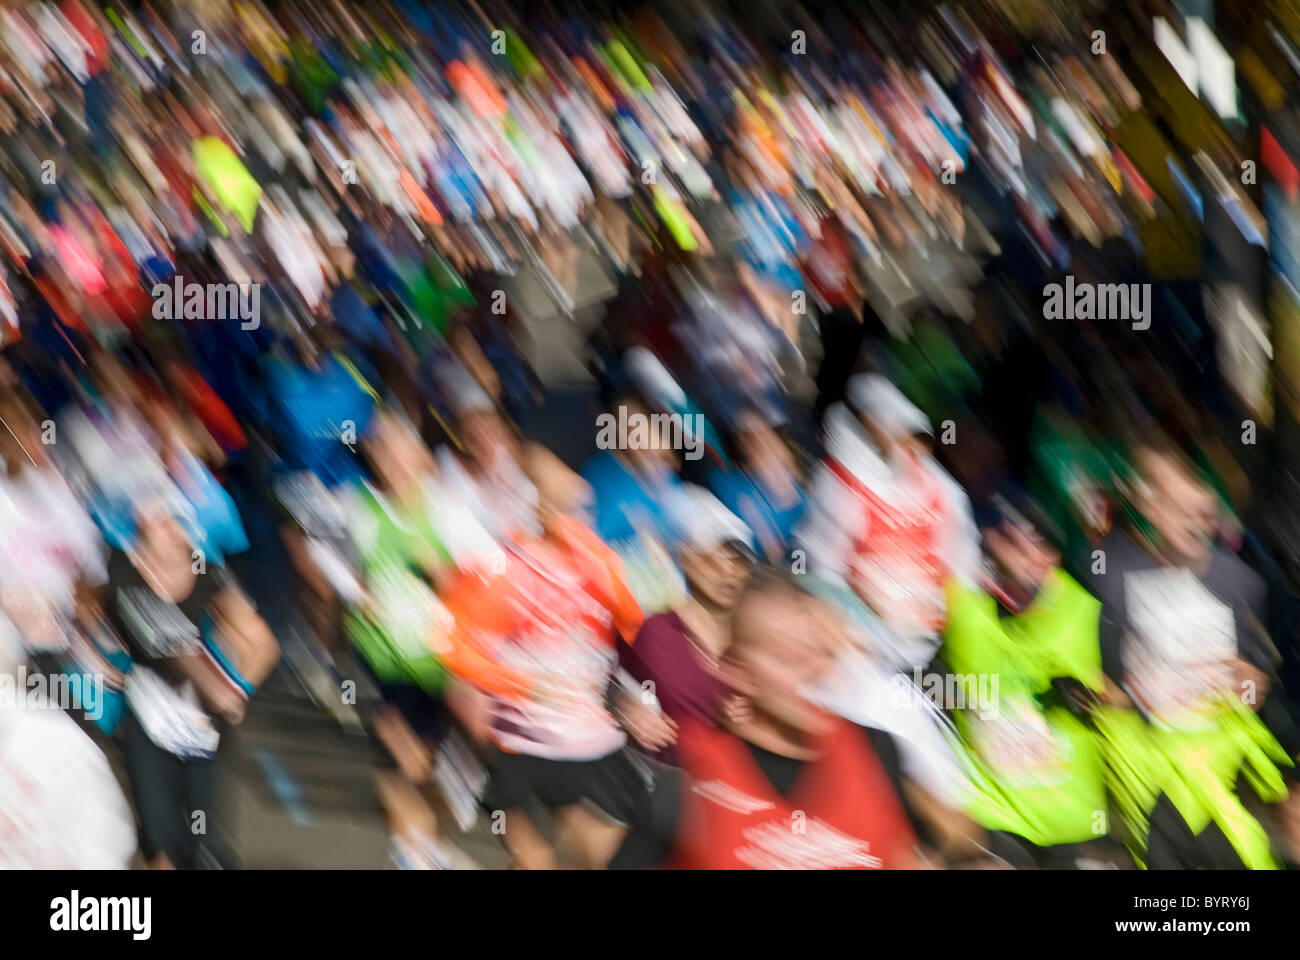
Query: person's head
point(1021, 542)
point(716, 554)
point(560, 490)
point(651, 456)
point(1176, 500)
point(717, 577)
point(485, 437)
point(159, 532)
point(780, 648)
point(758, 443)
point(396, 452)
point(896, 425)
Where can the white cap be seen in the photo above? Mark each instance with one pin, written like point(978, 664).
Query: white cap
point(706, 524)
point(876, 397)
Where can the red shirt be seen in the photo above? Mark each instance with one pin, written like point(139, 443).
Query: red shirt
point(843, 812)
point(829, 266)
point(902, 543)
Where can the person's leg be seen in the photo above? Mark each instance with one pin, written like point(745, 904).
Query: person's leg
point(592, 837)
point(152, 774)
point(412, 823)
point(198, 817)
point(410, 724)
point(403, 745)
point(511, 791)
point(316, 599)
point(595, 801)
point(525, 843)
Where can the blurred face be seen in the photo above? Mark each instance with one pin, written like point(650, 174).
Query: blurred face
point(887, 442)
point(782, 650)
point(400, 459)
point(657, 458)
point(758, 442)
point(559, 489)
point(486, 438)
point(1021, 556)
point(160, 535)
point(919, 445)
point(717, 577)
point(1179, 507)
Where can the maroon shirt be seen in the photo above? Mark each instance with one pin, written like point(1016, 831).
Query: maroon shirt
point(687, 689)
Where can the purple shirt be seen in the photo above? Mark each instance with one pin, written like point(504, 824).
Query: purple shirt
point(685, 686)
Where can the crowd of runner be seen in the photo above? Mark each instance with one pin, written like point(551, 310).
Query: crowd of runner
point(873, 558)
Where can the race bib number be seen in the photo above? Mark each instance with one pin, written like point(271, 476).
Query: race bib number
point(1181, 644)
point(1019, 745)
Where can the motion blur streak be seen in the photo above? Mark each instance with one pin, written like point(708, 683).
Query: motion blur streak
point(687, 434)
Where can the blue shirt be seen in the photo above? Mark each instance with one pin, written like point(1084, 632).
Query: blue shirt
point(318, 410)
point(625, 501)
point(747, 499)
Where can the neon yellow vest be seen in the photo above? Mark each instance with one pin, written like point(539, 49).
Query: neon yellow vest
point(1052, 788)
point(1198, 771)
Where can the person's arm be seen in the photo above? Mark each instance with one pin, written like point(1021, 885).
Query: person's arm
point(1255, 645)
point(961, 536)
point(254, 646)
point(1252, 671)
point(217, 691)
point(632, 698)
point(952, 832)
point(825, 533)
point(245, 653)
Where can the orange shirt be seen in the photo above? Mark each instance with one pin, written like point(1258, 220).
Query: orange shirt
point(547, 617)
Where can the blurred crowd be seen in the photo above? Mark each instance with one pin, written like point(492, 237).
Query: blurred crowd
point(878, 554)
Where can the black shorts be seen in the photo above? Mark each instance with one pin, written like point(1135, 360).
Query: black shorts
point(614, 785)
point(167, 791)
point(426, 713)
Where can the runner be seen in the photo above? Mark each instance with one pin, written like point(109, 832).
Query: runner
point(60, 805)
point(1183, 636)
point(50, 550)
point(536, 633)
point(408, 535)
point(199, 651)
point(1034, 631)
point(637, 495)
point(886, 519)
point(672, 671)
point(783, 784)
point(764, 486)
